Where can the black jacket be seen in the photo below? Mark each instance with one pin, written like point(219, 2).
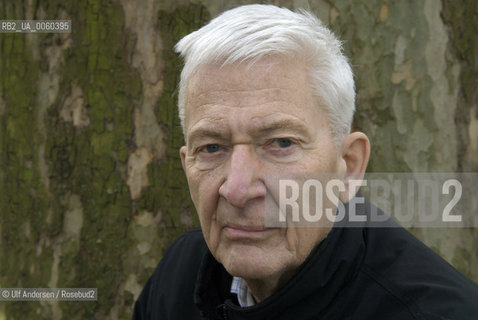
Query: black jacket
point(355, 273)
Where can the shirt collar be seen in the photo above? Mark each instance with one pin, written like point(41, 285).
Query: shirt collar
point(244, 295)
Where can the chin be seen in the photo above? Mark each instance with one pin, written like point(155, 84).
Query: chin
point(250, 271)
point(250, 263)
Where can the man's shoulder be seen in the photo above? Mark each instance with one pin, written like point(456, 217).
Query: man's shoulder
point(395, 251)
point(183, 253)
point(414, 276)
point(182, 257)
point(168, 294)
point(190, 241)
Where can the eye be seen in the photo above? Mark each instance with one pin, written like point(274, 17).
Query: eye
point(283, 143)
point(212, 148)
point(282, 149)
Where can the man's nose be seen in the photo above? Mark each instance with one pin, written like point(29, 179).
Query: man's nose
point(243, 181)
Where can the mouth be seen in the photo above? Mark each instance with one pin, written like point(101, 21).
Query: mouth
point(246, 232)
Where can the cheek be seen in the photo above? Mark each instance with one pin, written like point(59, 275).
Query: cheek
point(325, 160)
point(206, 203)
point(204, 193)
point(317, 162)
point(201, 184)
point(193, 188)
point(302, 240)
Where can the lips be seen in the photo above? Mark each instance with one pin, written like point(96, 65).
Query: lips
point(245, 232)
point(247, 228)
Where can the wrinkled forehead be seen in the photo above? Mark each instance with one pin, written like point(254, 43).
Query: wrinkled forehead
point(271, 75)
point(266, 65)
point(267, 87)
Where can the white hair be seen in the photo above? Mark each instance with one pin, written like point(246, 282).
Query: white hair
point(250, 32)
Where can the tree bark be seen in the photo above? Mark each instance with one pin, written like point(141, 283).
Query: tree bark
point(91, 186)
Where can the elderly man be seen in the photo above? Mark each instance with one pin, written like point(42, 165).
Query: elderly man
point(267, 92)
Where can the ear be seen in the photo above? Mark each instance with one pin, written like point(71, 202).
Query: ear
point(182, 154)
point(355, 153)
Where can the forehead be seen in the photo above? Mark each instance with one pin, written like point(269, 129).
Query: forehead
point(261, 73)
point(271, 80)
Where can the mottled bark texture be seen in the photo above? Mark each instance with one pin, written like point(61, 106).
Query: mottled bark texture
point(91, 185)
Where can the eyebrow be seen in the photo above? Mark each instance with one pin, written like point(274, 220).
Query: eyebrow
point(219, 133)
point(204, 132)
point(283, 124)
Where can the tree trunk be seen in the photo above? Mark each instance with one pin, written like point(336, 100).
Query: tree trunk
point(91, 185)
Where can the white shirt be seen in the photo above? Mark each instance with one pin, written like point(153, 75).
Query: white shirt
point(244, 295)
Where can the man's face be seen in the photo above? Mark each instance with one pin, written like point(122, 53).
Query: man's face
point(243, 123)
